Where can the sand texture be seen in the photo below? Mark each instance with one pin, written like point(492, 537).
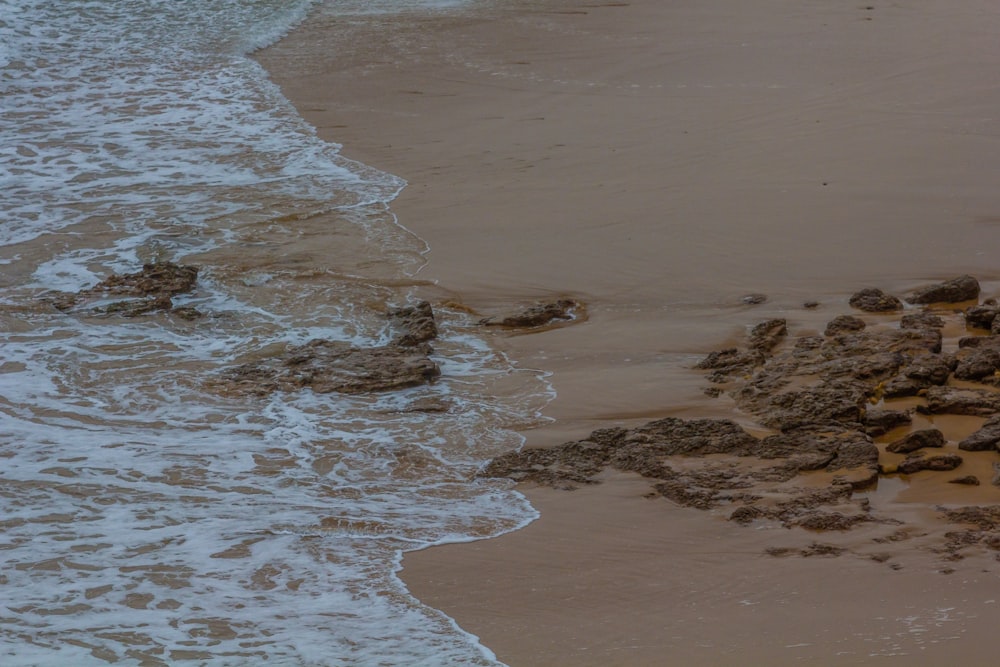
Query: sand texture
point(684, 171)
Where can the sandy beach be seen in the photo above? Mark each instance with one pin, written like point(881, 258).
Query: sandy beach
point(659, 162)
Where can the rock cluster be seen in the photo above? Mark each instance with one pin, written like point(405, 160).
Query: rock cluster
point(823, 398)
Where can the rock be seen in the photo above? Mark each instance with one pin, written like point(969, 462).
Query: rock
point(968, 480)
point(332, 366)
point(985, 439)
point(754, 299)
point(417, 324)
point(923, 372)
point(963, 288)
point(911, 442)
point(804, 407)
point(920, 321)
point(843, 324)
point(981, 316)
point(154, 279)
point(958, 401)
point(874, 300)
point(977, 363)
point(537, 315)
point(767, 335)
point(939, 463)
point(137, 307)
point(810, 305)
point(879, 421)
point(995, 327)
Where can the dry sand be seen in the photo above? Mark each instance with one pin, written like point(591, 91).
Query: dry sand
point(659, 160)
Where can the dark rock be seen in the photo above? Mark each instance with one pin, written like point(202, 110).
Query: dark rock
point(187, 313)
point(979, 342)
point(137, 307)
point(968, 480)
point(982, 316)
point(537, 315)
point(765, 336)
point(995, 327)
point(911, 442)
point(976, 363)
point(805, 407)
point(924, 371)
point(874, 300)
point(747, 514)
point(155, 279)
point(985, 439)
point(920, 321)
point(831, 521)
point(879, 421)
point(939, 463)
point(958, 401)
point(810, 305)
point(331, 366)
point(416, 323)
point(963, 288)
point(843, 324)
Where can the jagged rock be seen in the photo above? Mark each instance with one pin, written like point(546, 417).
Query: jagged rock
point(982, 316)
point(920, 321)
point(416, 323)
point(968, 480)
point(924, 371)
point(874, 300)
point(977, 363)
point(843, 324)
point(879, 421)
point(939, 463)
point(813, 405)
point(535, 316)
point(959, 401)
point(963, 288)
point(154, 279)
point(152, 288)
point(911, 442)
point(985, 439)
point(767, 335)
point(332, 366)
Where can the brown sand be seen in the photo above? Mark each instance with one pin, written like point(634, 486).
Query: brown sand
point(659, 160)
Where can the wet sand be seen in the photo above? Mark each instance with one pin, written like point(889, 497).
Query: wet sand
point(659, 161)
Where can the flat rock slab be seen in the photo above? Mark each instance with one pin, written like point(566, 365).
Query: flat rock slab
point(149, 291)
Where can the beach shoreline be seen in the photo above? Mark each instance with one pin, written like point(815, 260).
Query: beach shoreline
point(659, 164)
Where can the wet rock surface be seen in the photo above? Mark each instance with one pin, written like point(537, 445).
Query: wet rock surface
point(874, 300)
point(537, 315)
point(148, 291)
point(823, 399)
point(963, 288)
point(326, 366)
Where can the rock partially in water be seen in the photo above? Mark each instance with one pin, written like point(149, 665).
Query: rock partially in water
point(843, 324)
point(982, 316)
point(911, 442)
point(879, 421)
point(874, 300)
point(416, 324)
point(537, 315)
point(334, 366)
point(922, 372)
point(766, 336)
point(939, 463)
point(967, 480)
point(985, 439)
point(960, 401)
point(963, 288)
point(920, 321)
point(151, 290)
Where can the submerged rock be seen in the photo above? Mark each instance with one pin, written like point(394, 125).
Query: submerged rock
point(963, 288)
point(940, 463)
point(537, 315)
point(151, 290)
point(326, 366)
point(874, 300)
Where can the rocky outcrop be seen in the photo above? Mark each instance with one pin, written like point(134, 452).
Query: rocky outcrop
point(963, 288)
point(985, 439)
point(326, 366)
point(148, 291)
point(874, 300)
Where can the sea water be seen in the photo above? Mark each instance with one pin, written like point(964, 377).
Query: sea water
point(145, 517)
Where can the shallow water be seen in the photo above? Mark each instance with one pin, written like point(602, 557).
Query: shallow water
point(147, 518)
